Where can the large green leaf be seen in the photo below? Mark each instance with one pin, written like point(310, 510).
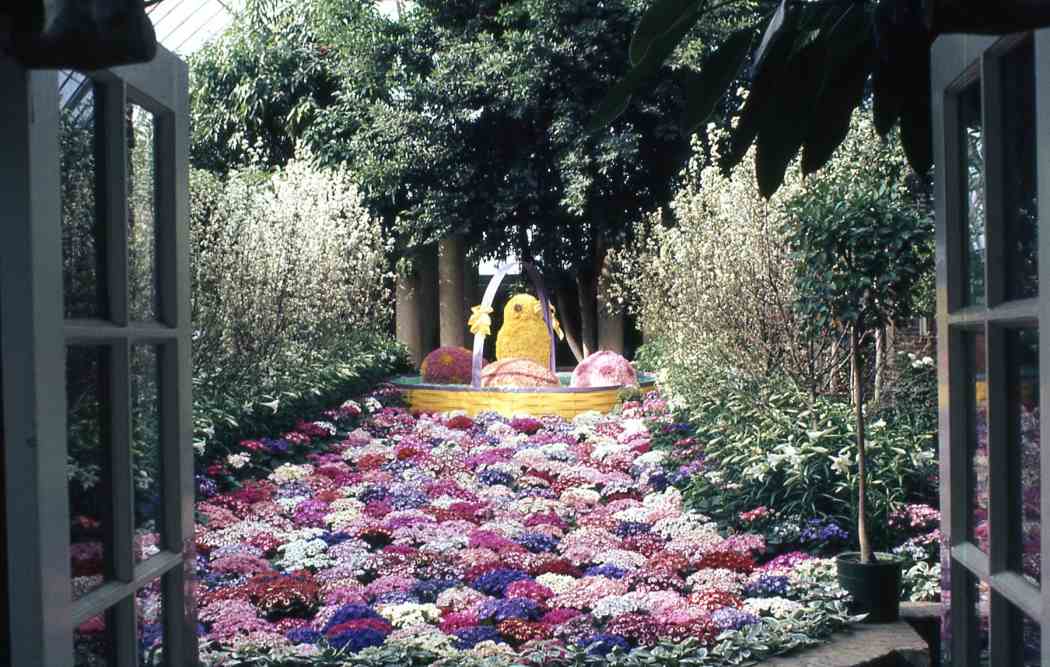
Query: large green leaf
point(719, 71)
point(916, 133)
point(784, 124)
point(888, 100)
point(768, 80)
point(764, 89)
point(780, 29)
point(658, 20)
point(830, 122)
point(618, 98)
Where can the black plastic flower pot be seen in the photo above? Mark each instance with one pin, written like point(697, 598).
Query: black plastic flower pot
point(875, 587)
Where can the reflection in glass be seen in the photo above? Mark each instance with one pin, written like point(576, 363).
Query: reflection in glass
point(82, 234)
point(142, 237)
point(1023, 351)
point(977, 411)
point(145, 444)
point(149, 612)
point(1020, 218)
point(92, 643)
point(981, 613)
point(973, 146)
point(1033, 643)
point(88, 464)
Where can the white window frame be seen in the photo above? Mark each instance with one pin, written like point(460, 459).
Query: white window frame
point(36, 337)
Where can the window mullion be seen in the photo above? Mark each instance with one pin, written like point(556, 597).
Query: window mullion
point(122, 500)
point(125, 633)
point(113, 193)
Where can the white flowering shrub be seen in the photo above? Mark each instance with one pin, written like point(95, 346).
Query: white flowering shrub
point(291, 300)
point(713, 283)
point(285, 268)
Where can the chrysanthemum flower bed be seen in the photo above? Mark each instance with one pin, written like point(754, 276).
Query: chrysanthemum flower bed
point(375, 536)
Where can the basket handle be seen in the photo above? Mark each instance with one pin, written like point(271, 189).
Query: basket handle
point(486, 302)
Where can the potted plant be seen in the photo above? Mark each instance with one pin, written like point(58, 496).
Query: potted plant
point(860, 251)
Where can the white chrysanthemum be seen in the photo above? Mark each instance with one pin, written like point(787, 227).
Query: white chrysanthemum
point(410, 614)
point(718, 579)
point(558, 583)
point(577, 497)
point(775, 607)
point(304, 553)
point(615, 605)
point(239, 460)
point(290, 472)
point(628, 560)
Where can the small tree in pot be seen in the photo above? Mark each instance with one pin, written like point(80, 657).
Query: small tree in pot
point(860, 249)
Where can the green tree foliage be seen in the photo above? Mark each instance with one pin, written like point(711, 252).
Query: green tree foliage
point(480, 127)
point(860, 252)
point(255, 90)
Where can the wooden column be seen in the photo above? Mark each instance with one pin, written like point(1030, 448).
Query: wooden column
point(451, 291)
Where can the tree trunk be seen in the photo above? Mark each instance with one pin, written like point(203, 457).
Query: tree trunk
point(833, 374)
point(880, 367)
point(585, 292)
point(569, 325)
point(612, 327)
point(471, 296)
point(858, 408)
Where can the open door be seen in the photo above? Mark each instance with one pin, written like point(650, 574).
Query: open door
point(95, 323)
point(991, 119)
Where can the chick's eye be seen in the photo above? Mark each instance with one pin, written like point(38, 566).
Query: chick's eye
point(517, 308)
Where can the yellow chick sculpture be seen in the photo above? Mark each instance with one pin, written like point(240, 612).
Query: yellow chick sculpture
point(523, 334)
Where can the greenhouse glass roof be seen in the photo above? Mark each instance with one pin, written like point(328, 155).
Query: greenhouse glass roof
point(182, 26)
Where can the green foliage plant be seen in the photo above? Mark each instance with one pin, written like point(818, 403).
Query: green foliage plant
point(472, 121)
point(770, 443)
point(860, 249)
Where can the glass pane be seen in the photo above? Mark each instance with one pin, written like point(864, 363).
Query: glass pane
point(1020, 185)
point(83, 249)
point(1033, 643)
point(93, 643)
point(977, 416)
point(145, 443)
point(88, 465)
point(973, 153)
point(142, 200)
point(149, 607)
point(1023, 351)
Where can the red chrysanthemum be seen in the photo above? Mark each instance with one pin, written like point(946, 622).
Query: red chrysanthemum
point(517, 631)
point(727, 560)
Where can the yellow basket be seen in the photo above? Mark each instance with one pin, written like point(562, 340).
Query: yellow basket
point(566, 402)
